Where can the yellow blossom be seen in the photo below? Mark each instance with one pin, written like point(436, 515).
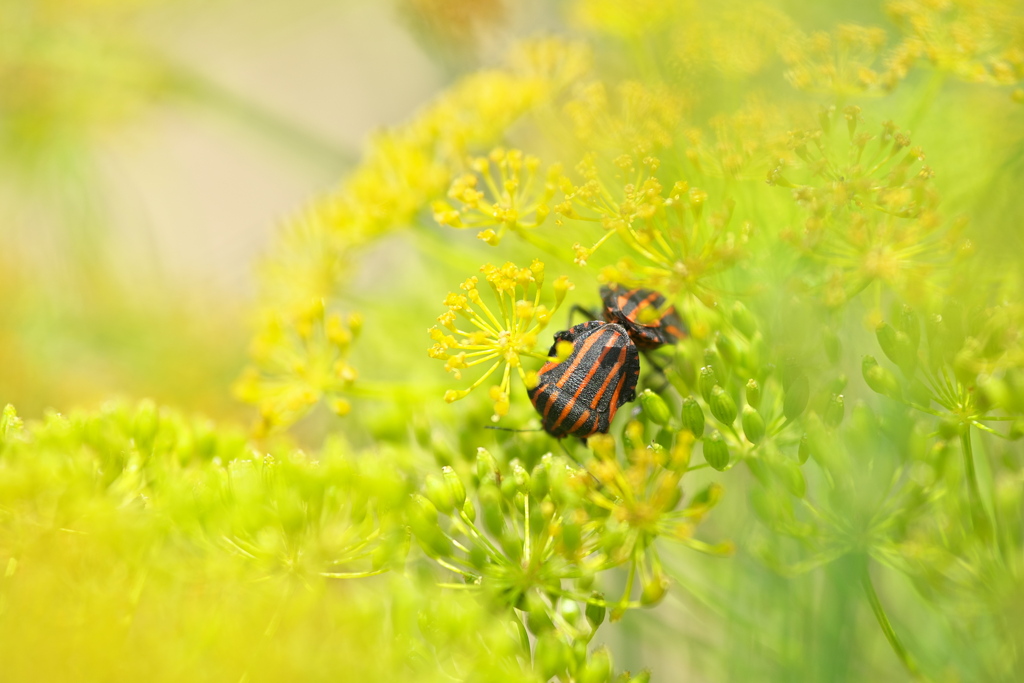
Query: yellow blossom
point(499, 336)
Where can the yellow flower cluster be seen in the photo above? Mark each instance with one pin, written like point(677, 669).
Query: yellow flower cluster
point(640, 499)
point(299, 362)
point(405, 169)
point(871, 206)
point(845, 62)
point(636, 119)
point(980, 42)
point(680, 245)
point(513, 197)
point(470, 333)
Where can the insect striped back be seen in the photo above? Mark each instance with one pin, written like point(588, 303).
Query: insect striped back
point(643, 313)
point(579, 396)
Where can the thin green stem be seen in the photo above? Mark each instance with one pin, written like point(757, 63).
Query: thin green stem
point(978, 513)
point(883, 621)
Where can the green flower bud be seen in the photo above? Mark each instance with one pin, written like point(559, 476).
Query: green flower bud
point(455, 485)
point(743, 319)
point(422, 518)
point(789, 473)
point(569, 611)
point(537, 619)
point(490, 507)
point(511, 544)
point(753, 425)
point(716, 451)
point(146, 424)
point(833, 346)
point(486, 466)
point(682, 448)
point(897, 347)
point(642, 677)
point(539, 478)
point(1016, 430)
point(478, 558)
point(633, 436)
point(595, 613)
point(722, 406)
point(598, 668)
point(910, 326)
point(654, 591)
point(706, 381)
point(879, 379)
point(796, 398)
point(804, 451)
point(469, 510)
point(654, 407)
point(727, 349)
point(572, 536)
point(753, 393)
point(692, 416)
point(551, 656)
point(520, 476)
point(438, 493)
point(834, 410)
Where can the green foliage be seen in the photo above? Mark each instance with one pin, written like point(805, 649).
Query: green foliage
point(860, 524)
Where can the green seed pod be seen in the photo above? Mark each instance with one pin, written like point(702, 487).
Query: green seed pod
point(796, 398)
point(486, 466)
point(706, 381)
point(716, 451)
point(753, 393)
point(834, 410)
point(722, 406)
point(654, 407)
point(692, 416)
point(551, 656)
point(490, 507)
point(437, 492)
point(455, 485)
point(879, 379)
point(753, 425)
point(598, 668)
point(743, 319)
point(595, 613)
point(804, 451)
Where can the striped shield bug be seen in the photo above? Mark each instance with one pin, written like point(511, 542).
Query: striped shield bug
point(644, 314)
point(579, 396)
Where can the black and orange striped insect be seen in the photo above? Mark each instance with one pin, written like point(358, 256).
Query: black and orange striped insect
point(579, 396)
point(644, 314)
